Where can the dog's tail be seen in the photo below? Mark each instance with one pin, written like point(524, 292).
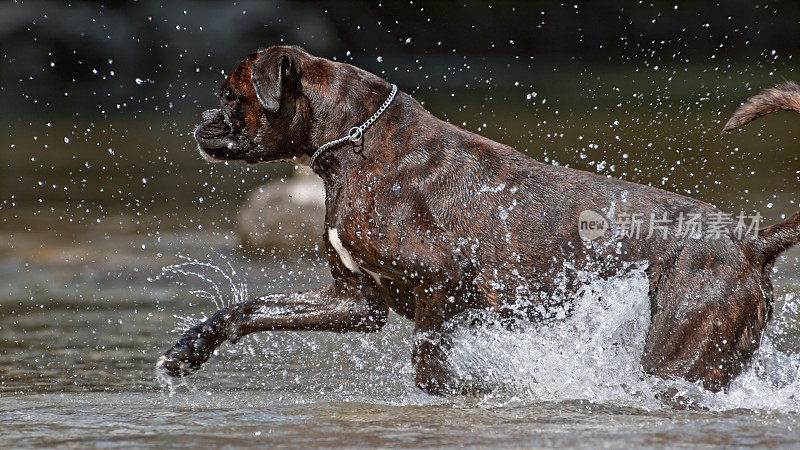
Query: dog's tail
point(778, 238)
point(783, 97)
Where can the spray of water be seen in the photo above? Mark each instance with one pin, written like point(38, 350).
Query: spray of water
point(222, 288)
point(210, 274)
point(593, 354)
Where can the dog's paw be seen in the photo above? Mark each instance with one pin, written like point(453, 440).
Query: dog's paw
point(194, 348)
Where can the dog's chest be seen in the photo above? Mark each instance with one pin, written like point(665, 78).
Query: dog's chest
point(344, 254)
point(347, 258)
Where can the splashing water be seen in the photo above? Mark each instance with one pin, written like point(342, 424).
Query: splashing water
point(593, 354)
point(224, 288)
point(207, 272)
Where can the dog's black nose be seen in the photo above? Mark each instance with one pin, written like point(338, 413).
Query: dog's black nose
point(210, 114)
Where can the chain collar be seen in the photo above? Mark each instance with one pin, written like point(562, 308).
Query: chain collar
point(356, 134)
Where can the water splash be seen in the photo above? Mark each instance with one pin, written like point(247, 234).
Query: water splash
point(216, 278)
point(206, 272)
point(223, 288)
point(172, 384)
point(592, 354)
point(595, 355)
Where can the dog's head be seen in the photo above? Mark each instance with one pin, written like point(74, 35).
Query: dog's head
point(262, 115)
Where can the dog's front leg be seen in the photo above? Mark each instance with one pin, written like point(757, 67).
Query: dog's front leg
point(344, 305)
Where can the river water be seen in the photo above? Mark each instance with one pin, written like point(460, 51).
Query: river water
point(83, 323)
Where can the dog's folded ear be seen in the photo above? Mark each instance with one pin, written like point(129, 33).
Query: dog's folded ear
point(271, 77)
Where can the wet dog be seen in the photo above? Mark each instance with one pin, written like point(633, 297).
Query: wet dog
point(435, 222)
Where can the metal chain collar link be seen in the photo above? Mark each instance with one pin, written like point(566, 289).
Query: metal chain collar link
point(356, 134)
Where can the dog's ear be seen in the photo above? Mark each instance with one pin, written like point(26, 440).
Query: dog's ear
point(271, 78)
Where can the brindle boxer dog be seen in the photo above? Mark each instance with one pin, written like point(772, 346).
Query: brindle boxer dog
point(432, 221)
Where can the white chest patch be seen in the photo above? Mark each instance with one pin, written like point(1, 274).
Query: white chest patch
point(344, 255)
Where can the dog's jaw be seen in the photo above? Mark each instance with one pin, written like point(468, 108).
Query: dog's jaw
point(208, 157)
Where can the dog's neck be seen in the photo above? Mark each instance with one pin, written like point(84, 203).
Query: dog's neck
point(332, 120)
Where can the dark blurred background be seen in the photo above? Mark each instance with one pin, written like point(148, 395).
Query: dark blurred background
point(99, 99)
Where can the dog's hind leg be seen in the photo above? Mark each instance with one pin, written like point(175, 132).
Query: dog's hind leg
point(435, 305)
point(708, 319)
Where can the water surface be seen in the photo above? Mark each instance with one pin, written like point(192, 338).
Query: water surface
point(81, 329)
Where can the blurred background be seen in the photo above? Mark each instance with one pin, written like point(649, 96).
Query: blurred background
point(100, 98)
point(101, 184)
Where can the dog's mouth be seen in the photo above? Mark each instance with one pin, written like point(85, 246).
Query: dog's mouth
point(213, 136)
point(212, 155)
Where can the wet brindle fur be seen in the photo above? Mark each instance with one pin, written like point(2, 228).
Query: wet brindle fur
point(436, 222)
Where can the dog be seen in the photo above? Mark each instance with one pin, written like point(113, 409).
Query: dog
point(436, 223)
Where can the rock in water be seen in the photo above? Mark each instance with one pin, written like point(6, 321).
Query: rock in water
point(284, 215)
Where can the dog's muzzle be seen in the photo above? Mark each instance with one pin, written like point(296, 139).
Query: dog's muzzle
point(213, 136)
